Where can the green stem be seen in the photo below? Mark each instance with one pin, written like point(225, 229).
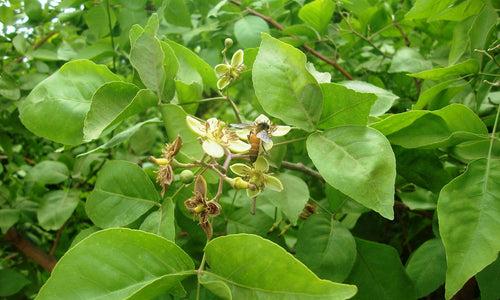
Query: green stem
point(111, 34)
point(200, 270)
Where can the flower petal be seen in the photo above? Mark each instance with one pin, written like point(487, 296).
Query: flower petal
point(238, 146)
point(213, 149)
point(223, 82)
point(267, 145)
point(200, 186)
point(280, 130)
point(273, 183)
point(237, 58)
point(243, 133)
point(261, 164)
point(240, 169)
point(221, 69)
point(262, 119)
point(253, 193)
point(196, 126)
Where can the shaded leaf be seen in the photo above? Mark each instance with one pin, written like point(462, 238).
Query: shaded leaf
point(56, 207)
point(466, 67)
point(247, 31)
point(48, 172)
point(385, 97)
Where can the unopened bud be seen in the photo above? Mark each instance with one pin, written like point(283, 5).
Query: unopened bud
point(187, 176)
point(228, 43)
point(158, 161)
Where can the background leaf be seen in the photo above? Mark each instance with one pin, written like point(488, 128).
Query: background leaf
point(385, 98)
point(326, 247)
point(56, 108)
point(117, 264)
point(122, 193)
point(48, 172)
point(248, 29)
point(379, 274)
point(56, 207)
point(466, 67)
point(359, 162)
point(317, 14)
point(242, 266)
point(162, 221)
point(281, 80)
point(487, 280)
point(468, 212)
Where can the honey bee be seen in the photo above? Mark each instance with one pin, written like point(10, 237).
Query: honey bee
point(258, 132)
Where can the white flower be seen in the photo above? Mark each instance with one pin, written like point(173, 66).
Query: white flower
point(229, 73)
point(273, 130)
point(217, 137)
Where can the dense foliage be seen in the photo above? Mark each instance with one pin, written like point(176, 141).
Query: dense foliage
point(271, 149)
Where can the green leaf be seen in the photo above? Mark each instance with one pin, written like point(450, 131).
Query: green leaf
point(56, 207)
point(426, 267)
point(188, 61)
point(488, 280)
point(379, 274)
point(247, 31)
point(360, 164)
point(484, 24)
point(247, 257)
point(33, 9)
point(48, 172)
point(161, 222)
point(284, 87)
point(241, 221)
point(385, 97)
point(343, 106)
point(118, 264)
point(318, 14)
point(174, 118)
point(441, 91)
point(408, 60)
point(177, 13)
point(112, 103)
point(420, 199)
point(467, 67)
point(56, 108)
point(468, 212)
point(461, 41)
point(123, 192)
point(11, 282)
point(292, 199)
point(122, 136)
point(97, 19)
point(444, 10)
point(8, 217)
point(326, 247)
point(431, 129)
point(187, 93)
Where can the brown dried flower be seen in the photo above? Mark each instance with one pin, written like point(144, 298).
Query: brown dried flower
point(166, 173)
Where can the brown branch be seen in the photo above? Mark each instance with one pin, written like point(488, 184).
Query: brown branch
point(38, 44)
point(306, 47)
point(58, 237)
point(30, 250)
point(407, 41)
point(302, 168)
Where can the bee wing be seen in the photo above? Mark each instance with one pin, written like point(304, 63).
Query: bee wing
point(263, 135)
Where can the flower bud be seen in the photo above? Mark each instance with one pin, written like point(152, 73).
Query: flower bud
point(228, 43)
point(187, 176)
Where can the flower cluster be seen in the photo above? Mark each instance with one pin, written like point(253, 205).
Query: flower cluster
point(228, 73)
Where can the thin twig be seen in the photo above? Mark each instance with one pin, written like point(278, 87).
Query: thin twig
point(58, 237)
point(305, 47)
point(407, 41)
point(111, 34)
point(302, 168)
point(290, 141)
point(233, 105)
point(38, 44)
point(364, 38)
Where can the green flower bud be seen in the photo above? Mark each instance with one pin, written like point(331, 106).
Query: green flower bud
point(187, 176)
point(228, 43)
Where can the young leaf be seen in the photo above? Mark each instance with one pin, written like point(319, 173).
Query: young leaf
point(426, 267)
point(468, 212)
point(326, 247)
point(318, 14)
point(359, 162)
point(284, 87)
point(343, 106)
point(117, 264)
point(379, 274)
point(122, 193)
point(56, 108)
point(466, 67)
point(251, 267)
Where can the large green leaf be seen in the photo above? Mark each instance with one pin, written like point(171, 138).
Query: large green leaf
point(292, 199)
point(343, 106)
point(112, 103)
point(379, 274)
point(359, 162)
point(284, 87)
point(56, 207)
point(431, 129)
point(326, 247)
point(318, 14)
point(56, 108)
point(123, 192)
point(118, 264)
point(250, 267)
point(247, 31)
point(469, 214)
point(426, 267)
point(161, 222)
